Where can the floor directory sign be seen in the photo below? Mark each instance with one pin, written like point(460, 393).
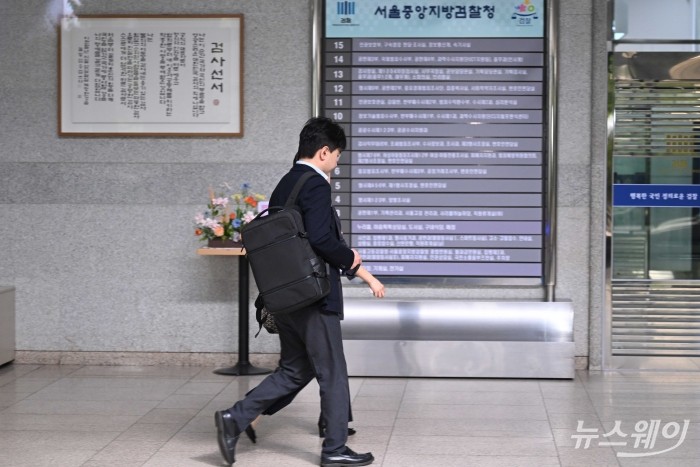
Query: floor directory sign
point(444, 107)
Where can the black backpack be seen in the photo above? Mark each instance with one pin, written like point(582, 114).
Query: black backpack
point(288, 272)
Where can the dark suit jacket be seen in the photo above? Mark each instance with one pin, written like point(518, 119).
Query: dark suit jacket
point(322, 225)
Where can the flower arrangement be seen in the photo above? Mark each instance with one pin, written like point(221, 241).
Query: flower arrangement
point(227, 213)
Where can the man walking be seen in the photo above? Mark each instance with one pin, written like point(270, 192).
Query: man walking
point(311, 340)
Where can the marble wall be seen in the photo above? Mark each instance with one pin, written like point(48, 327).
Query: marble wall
point(97, 233)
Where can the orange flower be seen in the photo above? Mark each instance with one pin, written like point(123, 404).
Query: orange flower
point(250, 201)
point(198, 232)
point(218, 230)
point(232, 216)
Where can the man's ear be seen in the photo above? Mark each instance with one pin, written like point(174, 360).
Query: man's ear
point(323, 153)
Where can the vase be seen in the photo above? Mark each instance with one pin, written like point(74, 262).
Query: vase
point(223, 243)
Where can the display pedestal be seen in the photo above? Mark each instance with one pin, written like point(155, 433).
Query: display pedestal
point(243, 367)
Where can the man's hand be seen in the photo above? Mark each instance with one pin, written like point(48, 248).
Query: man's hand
point(375, 284)
point(377, 288)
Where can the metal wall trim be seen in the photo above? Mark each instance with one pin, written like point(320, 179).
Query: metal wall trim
point(451, 338)
point(317, 77)
point(7, 324)
point(550, 213)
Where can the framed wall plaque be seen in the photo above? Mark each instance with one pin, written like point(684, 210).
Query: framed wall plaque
point(151, 75)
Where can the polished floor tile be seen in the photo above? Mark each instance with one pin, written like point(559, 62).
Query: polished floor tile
point(151, 416)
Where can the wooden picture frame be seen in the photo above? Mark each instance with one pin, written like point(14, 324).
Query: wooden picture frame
point(150, 75)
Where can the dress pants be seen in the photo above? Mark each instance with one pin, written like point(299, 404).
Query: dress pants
point(311, 346)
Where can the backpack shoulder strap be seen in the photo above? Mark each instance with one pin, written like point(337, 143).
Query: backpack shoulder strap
point(291, 201)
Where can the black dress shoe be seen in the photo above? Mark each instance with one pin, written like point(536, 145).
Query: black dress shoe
point(226, 435)
point(347, 458)
point(250, 432)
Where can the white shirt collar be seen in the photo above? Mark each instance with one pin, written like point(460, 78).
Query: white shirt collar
point(316, 169)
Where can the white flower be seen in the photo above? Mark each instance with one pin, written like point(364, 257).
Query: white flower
point(221, 202)
point(248, 217)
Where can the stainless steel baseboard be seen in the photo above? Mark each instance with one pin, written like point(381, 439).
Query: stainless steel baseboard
point(449, 338)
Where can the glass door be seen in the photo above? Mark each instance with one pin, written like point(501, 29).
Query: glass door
point(653, 313)
point(655, 210)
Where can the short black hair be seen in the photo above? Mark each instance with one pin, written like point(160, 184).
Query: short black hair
point(317, 133)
